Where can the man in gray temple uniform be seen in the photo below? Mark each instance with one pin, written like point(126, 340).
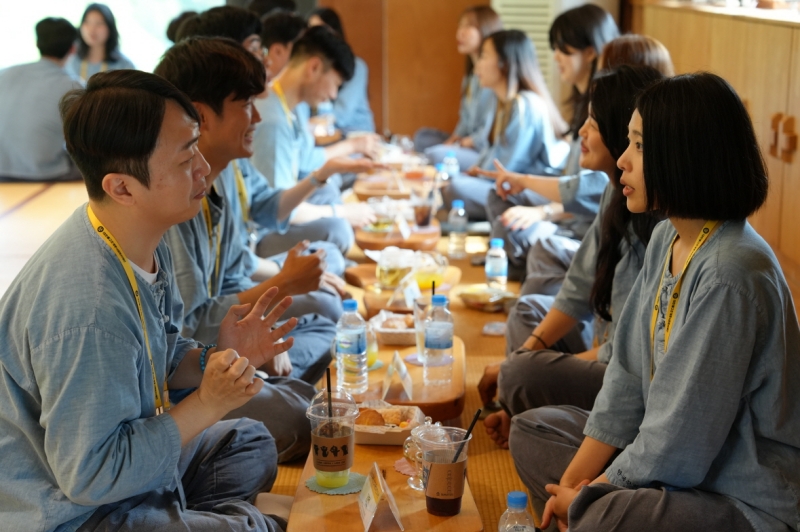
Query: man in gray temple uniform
point(31, 140)
point(222, 78)
point(91, 342)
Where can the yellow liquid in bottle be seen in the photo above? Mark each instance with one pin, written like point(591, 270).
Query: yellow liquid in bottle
point(333, 479)
point(372, 353)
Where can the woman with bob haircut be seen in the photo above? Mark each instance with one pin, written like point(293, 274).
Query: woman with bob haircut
point(697, 425)
point(477, 103)
point(633, 49)
point(522, 134)
point(98, 44)
point(558, 347)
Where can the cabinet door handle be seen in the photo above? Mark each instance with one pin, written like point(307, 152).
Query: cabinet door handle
point(776, 128)
point(790, 142)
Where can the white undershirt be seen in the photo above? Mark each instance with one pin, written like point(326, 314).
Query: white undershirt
point(149, 277)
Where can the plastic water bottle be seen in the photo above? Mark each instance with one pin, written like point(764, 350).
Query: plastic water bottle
point(450, 162)
point(437, 365)
point(516, 518)
point(457, 241)
point(351, 350)
point(496, 265)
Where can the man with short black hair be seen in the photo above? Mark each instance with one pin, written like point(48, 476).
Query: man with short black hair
point(92, 346)
point(31, 140)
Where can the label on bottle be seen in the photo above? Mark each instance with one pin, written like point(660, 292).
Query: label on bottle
point(351, 343)
point(496, 267)
point(439, 335)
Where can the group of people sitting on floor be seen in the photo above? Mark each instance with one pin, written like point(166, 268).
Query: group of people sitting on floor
point(162, 346)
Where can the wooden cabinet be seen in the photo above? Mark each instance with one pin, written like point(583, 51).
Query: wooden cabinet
point(759, 58)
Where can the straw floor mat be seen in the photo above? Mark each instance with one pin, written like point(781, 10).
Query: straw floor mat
point(491, 470)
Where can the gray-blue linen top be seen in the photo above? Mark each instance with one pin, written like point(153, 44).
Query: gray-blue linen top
point(351, 106)
point(77, 411)
point(574, 297)
point(31, 135)
point(195, 256)
point(722, 413)
point(476, 112)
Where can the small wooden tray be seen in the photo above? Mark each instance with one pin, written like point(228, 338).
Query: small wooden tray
point(379, 185)
point(421, 239)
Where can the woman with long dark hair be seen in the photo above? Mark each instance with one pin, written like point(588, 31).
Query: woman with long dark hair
point(351, 108)
point(522, 135)
point(477, 103)
point(559, 346)
point(697, 425)
point(98, 44)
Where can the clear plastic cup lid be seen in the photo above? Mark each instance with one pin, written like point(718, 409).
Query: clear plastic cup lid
point(343, 406)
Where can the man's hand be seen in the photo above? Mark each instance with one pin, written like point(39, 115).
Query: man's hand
point(344, 165)
point(252, 335)
point(228, 382)
point(357, 214)
point(280, 366)
point(521, 217)
point(366, 145)
point(487, 386)
point(558, 504)
point(301, 273)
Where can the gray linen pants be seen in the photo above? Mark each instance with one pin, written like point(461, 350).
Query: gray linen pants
point(334, 230)
point(222, 470)
point(543, 442)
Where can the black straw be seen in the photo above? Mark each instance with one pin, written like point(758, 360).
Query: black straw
point(433, 288)
point(466, 437)
point(328, 375)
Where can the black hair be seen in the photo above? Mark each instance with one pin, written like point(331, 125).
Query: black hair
point(175, 24)
point(224, 21)
point(55, 37)
point(112, 44)
point(210, 69)
point(112, 126)
point(265, 7)
point(613, 97)
point(322, 42)
point(704, 161)
point(587, 26)
point(281, 27)
point(330, 18)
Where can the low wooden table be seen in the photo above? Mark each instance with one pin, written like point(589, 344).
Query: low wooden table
point(442, 403)
point(314, 512)
point(421, 239)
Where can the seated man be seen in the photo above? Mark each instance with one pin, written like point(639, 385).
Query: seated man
point(31, 140)
point(319, 62)
point(91, 341)
point(222, 78)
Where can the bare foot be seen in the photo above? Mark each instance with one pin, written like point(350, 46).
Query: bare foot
point(497, 426)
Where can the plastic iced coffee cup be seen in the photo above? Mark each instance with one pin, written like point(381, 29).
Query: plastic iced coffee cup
point(332, 436)
point(443, 479)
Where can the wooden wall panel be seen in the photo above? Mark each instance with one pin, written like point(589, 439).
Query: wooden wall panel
point(424, 69)
point(363, 26)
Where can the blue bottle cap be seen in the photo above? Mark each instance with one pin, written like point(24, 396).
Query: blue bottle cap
point(496, 243)
point(440, 167)
point(350, 305)
point(458, 204)
point(517, 499)
point(439, 300)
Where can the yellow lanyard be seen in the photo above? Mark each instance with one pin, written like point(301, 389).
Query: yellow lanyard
point(282, 98)
point(85, 68)
point(676, 292)
point(241, 188)
point(112, 243)
point(212, 233)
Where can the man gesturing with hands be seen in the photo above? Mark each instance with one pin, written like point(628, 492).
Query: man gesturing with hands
point(92, 344)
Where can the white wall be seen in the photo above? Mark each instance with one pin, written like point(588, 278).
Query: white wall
point(142, 26)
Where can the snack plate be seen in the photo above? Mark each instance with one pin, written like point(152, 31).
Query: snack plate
point(392, 336)
point(482, 297)
point(387, 435)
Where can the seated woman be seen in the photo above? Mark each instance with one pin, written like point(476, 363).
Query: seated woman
point(563, 359)
point(351, 107)
point(697, 425)
point(550, 234)
point(522, 135)
point(98, 44)
point(477, 103)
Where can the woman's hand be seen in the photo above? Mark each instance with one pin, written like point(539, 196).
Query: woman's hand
point(506, 183)
point(252, 335)
point(558, 504)
point(521, 217)
point(467, 142)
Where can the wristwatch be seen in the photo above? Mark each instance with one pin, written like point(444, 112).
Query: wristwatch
point(548, 212)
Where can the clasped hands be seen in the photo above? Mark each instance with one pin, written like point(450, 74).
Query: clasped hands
point(558, 504)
